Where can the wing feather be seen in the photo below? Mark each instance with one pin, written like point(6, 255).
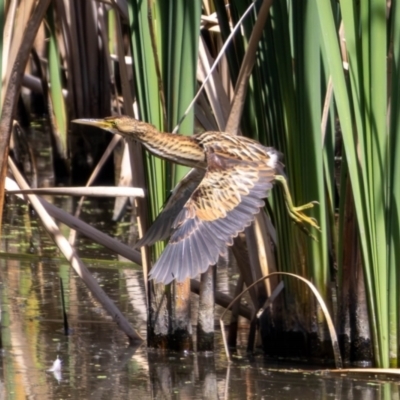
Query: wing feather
point(197, 258)
point(224, 203)
point(161, 227)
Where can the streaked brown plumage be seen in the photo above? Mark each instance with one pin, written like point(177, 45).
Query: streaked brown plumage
point(217, 199)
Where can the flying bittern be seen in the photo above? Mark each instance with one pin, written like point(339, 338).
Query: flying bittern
point(217, 200)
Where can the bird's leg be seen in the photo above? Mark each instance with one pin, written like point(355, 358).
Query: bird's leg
point(296, 213)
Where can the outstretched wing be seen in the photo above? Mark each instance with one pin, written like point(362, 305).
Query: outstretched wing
point(224, 204)
point(162, 226)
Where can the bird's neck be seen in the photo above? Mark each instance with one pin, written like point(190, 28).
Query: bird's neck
point(179, 149)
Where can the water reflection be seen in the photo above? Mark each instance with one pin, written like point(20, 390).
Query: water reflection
point(97, 362)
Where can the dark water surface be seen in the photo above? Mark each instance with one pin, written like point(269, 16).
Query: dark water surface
point(97, 362)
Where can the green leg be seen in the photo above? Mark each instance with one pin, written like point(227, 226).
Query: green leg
point(296, 213)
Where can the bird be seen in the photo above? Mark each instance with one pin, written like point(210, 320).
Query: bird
point(231, 176)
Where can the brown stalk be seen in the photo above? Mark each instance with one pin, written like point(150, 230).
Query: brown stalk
point(13, 90)
point(222, 299)
point(17, 15)
point(205, 323)
point(76, 87)
point(233, 326)
point(216, 94)
point(232, 126)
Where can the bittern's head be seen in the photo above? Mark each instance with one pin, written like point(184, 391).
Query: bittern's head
point(125, 126)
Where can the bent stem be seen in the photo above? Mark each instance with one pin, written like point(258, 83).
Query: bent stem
point(324, 308)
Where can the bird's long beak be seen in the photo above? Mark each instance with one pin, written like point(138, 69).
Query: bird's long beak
point(98, 123)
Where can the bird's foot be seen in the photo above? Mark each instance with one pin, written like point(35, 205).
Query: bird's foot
point(296, 213)
point(301, 219)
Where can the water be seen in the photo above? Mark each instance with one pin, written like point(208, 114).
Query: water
point(97, 361)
